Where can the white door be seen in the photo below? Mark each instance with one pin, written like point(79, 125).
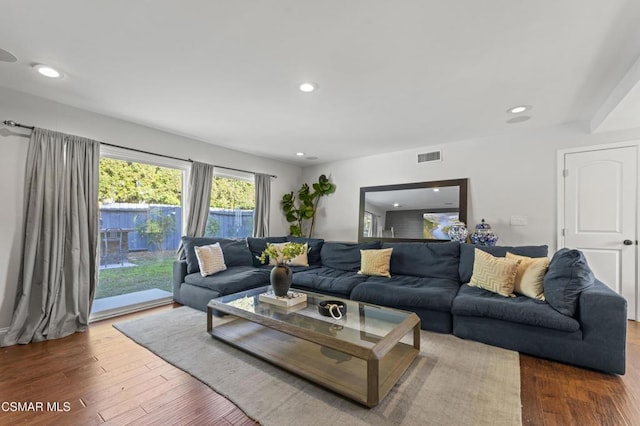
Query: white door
point(600, 197)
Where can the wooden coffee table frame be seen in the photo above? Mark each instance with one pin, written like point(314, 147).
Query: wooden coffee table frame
point(365, 374)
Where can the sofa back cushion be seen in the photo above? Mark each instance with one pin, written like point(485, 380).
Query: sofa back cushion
point(567, 277)
point(429, 260)
point(315, 246)
point(467, 256)
point(344, 256)
point(257, 246)
point(236, 252)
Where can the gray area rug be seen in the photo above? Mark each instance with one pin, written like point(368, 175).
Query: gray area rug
point(452, 382)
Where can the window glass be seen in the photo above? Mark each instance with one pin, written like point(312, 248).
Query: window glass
point(232, 205)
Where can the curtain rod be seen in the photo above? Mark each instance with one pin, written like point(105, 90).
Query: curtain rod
point(11, 123)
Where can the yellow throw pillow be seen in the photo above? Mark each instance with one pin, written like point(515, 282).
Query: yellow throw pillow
point(210, 259)
point(496, 274)
point(530, 275)
point(375, 262)
point(300, 260)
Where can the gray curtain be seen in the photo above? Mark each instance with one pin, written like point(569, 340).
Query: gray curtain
point(199, 201)
point(59, 258)
point(263, 201)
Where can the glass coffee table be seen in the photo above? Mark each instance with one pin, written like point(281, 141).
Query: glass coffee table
point(359, 356)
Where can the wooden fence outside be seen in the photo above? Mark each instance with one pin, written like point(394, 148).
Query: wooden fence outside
point(135, 218)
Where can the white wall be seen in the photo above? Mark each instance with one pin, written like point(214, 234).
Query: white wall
point(508, 175)
point(43, 113)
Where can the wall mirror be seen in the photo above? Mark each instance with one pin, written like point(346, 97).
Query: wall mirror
point(420, 211)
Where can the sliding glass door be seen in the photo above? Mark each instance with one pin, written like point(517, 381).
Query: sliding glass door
point(140, 228)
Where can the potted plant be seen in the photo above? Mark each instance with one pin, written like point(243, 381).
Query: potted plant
point(281, 273)
point(305, 206)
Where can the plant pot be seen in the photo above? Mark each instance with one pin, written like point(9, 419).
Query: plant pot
point(281, 280)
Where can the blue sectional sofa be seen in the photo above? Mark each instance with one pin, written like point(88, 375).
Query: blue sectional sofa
point(431, 279)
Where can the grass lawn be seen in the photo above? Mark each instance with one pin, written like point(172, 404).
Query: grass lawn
point(152, 270)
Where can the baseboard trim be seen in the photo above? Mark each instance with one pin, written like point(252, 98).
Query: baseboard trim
point(110, 313)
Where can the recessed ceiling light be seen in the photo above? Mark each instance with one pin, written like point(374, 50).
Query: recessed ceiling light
point(308, 87)
point(396, 204)
point(518, 109)
point(436, 189)
point(299, 154)
point(47, 71)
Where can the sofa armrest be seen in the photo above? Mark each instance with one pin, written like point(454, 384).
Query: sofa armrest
point(179, 272)
point(602, 314)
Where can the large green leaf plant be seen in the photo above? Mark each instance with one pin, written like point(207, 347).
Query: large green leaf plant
point(305, 206)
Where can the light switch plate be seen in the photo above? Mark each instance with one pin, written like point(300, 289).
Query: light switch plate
point(518, 220)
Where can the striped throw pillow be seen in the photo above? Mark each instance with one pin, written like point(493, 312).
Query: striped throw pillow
point(375, 262)
point(495, 274)
point(210, 259)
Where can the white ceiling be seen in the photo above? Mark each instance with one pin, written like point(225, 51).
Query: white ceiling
point(392, 74)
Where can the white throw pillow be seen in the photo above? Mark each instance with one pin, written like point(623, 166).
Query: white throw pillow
point(210, 259)
point(300, 260)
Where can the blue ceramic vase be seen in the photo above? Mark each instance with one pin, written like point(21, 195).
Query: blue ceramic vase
point(483, 235)
point(458, 232)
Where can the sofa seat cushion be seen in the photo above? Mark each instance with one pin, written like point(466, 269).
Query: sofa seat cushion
point(328, 280)
point(233, 280)
point(403, 291)
point(294, 269)
point(476, 302)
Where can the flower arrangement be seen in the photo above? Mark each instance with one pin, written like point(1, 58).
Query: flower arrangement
point(281, 253)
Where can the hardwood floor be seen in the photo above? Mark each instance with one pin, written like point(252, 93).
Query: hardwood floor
point(107, 379)
point(558, 394)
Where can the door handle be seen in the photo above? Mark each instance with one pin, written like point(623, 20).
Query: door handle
point(627, 242)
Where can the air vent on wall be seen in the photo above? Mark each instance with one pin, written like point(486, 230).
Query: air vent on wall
point(430, 156)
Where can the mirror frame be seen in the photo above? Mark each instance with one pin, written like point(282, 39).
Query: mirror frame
point(462, 185)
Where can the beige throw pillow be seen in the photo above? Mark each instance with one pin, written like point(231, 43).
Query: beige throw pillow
point(496, 274)
point(300, 260)
point(530, 275)
point(210, 259)
point(375, 262)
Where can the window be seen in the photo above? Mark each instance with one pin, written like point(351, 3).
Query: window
point(232, 205)
point(368, 222)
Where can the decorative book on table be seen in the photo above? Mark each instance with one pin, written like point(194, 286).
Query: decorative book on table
point(292, 298)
